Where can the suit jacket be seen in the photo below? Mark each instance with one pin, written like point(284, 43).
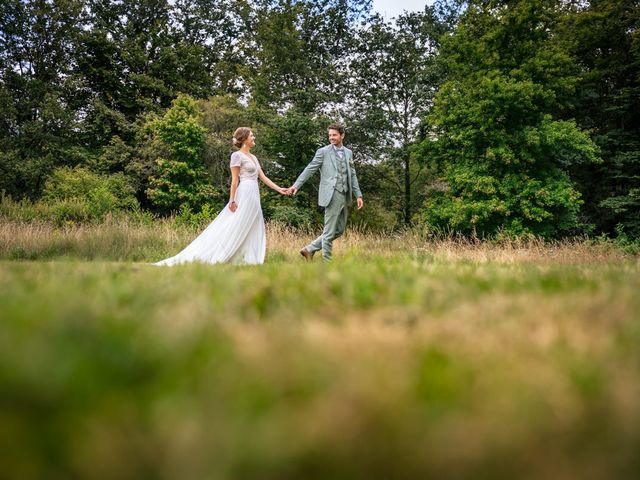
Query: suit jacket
point(326, 160)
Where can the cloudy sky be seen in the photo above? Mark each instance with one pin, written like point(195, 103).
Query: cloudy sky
point(393, 8)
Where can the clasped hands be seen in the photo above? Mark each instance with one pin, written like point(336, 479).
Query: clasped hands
point(293, 190)
point(287, 191)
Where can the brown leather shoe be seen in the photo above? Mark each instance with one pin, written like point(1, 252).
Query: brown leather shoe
point(306, 254)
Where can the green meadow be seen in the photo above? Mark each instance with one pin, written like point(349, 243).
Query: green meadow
point(405, 358)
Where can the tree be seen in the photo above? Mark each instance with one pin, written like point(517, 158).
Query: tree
point(502, 154)
point(40, 95)
point(207, 35)
point(394, 77)
point(296, 49)
point(135, 57)
point(182, 179)
point(604, 37)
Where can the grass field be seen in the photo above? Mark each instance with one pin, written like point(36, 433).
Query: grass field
point(402, 359)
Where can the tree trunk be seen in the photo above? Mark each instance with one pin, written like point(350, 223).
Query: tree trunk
point(407, 189)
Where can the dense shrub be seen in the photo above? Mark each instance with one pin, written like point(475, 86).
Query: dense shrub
point(187, 217)
point(292, 216)
point(73, 195)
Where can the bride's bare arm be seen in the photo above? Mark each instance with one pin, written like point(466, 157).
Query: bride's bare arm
point(235, 176)
point(267, 181)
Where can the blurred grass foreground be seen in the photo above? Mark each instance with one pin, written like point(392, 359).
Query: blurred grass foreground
point(403, 359)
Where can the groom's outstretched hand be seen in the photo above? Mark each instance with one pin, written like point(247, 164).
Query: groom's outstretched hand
point(292, 190)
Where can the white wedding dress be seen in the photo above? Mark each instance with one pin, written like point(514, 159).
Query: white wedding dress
point(232, 237)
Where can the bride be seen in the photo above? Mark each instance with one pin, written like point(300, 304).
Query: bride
point(237, 234)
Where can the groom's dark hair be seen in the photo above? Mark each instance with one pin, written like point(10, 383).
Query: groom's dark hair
point(337, 127)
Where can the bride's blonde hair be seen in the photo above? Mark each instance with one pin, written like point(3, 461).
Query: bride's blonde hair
point(240, 135)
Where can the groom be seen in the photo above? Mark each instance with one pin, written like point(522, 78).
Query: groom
point(338, 186)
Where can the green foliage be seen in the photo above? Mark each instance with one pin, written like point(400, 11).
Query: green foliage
point(621, 240)
point(395, 76)
point(79, 183)
point(182, 179)
point(603, 37)
point(25, 210)
point(79, 195)
point(296, 48)
point(137, 56)
point(502, 156)
point(482, 203)
point(41, 97)
point(291, 216)
point(195, 220)
point(375, 217)
point(75, 75)
point(75, 195)
point(627, 207)
point(114, 157)
point(80, 81)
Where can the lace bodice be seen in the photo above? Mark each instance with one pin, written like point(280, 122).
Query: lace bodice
point(249, 165)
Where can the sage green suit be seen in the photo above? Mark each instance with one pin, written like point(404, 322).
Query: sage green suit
point(335, 203)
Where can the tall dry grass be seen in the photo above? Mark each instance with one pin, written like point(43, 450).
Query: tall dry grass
point(126, 240)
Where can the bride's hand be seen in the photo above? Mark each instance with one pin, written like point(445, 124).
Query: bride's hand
point(283, 191)
point(233, 206)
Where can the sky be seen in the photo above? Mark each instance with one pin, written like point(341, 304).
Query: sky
point(393, 8)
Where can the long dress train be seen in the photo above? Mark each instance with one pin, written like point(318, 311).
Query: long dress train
point(232, 237)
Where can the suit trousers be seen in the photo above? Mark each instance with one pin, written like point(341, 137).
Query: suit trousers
point(335, 220)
